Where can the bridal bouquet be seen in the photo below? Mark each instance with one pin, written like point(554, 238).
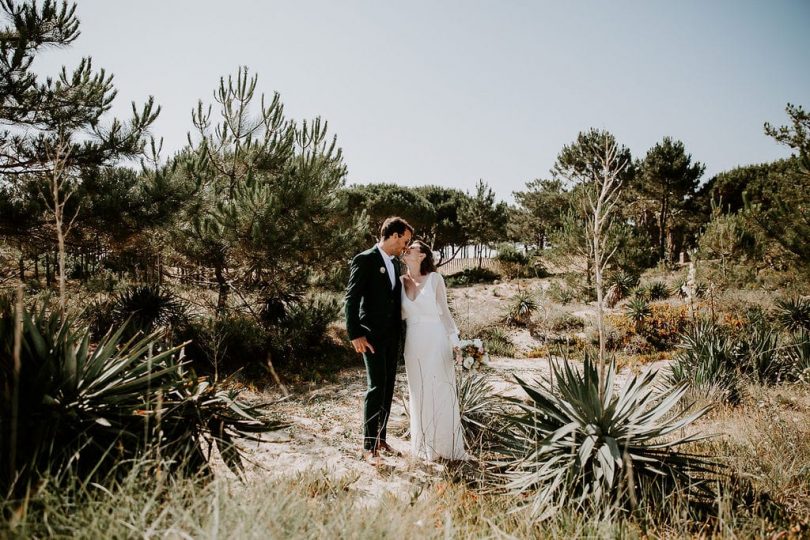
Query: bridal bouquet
point(471, 355)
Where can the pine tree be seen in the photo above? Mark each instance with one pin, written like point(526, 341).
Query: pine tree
point(484, 219)
point(55, 130)
point(263, 213)
point(668, 178)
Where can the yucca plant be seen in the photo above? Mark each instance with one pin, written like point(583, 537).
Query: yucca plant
point(478, 404)
point(94, 407)
point(637, 310)
point(569, 448)
point(793, 314)
point(521, 309)
point(619, 286)
point(147, 308)
point(798, 351)
point(708, 363)
point(658, 290)
point(642, 292)
point(761, 356)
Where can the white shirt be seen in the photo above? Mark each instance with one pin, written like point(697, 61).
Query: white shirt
point(389, 265)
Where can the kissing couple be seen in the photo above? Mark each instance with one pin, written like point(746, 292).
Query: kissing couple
point(378, 297)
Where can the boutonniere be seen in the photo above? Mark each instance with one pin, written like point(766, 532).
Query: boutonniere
point(382, 269)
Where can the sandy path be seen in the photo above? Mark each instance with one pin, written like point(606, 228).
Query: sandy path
point(325, 433)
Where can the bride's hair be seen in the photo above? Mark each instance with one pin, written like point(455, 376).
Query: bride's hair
point(428, 265)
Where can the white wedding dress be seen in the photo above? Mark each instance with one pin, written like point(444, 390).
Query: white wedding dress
point(436, 430)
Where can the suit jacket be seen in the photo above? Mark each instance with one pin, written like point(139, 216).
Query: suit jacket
point(372, 307)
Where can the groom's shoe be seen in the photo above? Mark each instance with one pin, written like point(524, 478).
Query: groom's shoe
point(386, 448)
point(372, 457)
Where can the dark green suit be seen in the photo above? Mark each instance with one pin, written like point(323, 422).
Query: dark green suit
point(373, 310)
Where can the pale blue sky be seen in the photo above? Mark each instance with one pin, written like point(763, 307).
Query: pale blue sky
point(447, 92)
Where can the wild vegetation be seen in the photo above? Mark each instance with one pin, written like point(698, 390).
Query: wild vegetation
point(158, 313)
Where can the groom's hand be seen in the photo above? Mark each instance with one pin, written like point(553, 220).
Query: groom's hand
point(362, 345)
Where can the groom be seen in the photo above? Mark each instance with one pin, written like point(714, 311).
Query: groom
point(374, 324)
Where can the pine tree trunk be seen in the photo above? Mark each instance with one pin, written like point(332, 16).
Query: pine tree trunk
point(48, 274)
point(662, 226)
point(222, 299)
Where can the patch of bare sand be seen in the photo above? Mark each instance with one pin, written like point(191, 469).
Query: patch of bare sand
point(325, 432)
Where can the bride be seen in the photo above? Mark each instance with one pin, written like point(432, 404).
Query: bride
point(430, 340)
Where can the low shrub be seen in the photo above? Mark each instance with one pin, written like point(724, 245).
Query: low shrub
point(562, 294)
point(497, 341)
point(665, 325)
point(299, 342)
point(566, 322)
point(514, 263)
point(228, 344)
point(471, 276)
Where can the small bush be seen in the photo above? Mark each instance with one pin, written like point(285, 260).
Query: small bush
point(471, 276)
point(514, 263)
point(497, 342)
point(566, 322)
point(665, 325)
point(227, 344)
point(561, 294)
point(299, 342)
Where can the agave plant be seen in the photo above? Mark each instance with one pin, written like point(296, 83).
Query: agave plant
point(521, 309)
point(569, 447)
point(147, 308)
point(708, 363)
point(93, 407)
point(761, 357)
point(798, 351)
point(478, 405)
point(793, 314)
point(658, 290)
point(619, 286)
point(637, 310)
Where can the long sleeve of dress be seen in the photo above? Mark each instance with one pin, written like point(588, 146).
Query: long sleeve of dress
point(444, 311)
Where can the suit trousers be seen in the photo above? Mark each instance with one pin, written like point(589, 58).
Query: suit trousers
point(381, 371)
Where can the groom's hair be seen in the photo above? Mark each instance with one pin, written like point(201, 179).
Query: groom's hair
point(393, 225)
